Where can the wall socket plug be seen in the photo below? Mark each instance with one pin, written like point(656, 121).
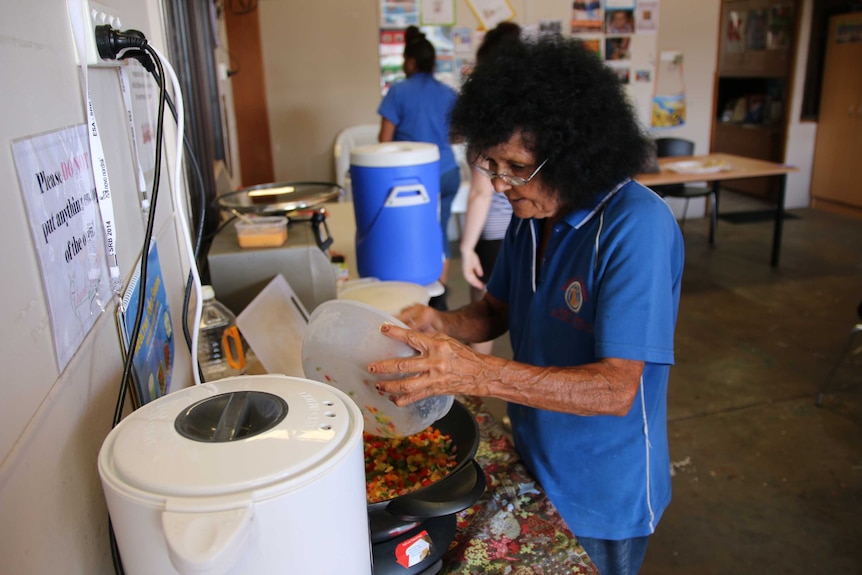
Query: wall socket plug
point(97, 15)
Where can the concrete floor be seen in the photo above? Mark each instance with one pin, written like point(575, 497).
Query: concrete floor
point(764, 481)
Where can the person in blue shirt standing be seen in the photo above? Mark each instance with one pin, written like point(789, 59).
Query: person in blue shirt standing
point(417, 110)
point(587, 282)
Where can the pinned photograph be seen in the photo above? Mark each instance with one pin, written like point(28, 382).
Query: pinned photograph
point(643, 75)
point(646, 17)
point(594, 44)
point(587, 17)
point(618, 48)
point(620, 22)
point(622, 73)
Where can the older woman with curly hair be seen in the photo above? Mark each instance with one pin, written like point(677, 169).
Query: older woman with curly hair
point(587, 283)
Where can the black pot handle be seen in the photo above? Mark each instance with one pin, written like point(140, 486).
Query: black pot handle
point(318, 219)
point(453, 493)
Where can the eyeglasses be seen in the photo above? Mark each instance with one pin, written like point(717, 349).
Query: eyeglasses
point(508, 178)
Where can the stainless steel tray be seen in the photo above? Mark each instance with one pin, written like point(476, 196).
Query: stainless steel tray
point(280, 198)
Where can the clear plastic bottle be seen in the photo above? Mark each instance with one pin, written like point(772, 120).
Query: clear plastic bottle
point(222, 350)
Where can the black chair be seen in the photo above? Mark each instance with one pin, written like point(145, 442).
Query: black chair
point(671, 147)
point(848, 345)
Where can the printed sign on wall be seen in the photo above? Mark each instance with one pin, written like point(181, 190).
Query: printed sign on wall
point(56, 179)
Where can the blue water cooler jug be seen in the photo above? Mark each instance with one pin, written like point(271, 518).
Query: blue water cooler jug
point(396, 197)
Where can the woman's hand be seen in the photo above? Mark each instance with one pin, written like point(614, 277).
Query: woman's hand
point(422, 318)
point(444, 366)
point(472, 269)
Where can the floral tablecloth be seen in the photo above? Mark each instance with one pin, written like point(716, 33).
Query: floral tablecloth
point(513, 529)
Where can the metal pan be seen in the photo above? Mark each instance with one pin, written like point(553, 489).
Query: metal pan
point(280, 198)
point(460, 489)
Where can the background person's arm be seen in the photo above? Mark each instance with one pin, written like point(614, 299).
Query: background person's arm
point(387, 131)
point(478, 206)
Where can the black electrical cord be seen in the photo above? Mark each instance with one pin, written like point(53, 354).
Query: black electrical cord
point(220, 227)
point(142, 57)
point(148, 235)
point(110, 44)
point(115, 550)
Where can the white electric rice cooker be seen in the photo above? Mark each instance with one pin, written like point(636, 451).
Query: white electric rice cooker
point(252, 474)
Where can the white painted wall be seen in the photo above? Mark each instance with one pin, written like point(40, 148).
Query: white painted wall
point(332, 82)
point(801, 135)
point(694, 32)
point(53, 518)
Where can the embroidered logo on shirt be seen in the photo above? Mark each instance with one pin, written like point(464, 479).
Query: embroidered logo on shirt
point(577, 300)
point(575, 295)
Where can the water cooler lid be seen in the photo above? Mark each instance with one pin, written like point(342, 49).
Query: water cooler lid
point(394, 154)
point(233, 435)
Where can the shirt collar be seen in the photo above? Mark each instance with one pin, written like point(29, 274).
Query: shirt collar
point(579, 218)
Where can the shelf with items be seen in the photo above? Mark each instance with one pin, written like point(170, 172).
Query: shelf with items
point(754, 101)
point(754, 79)
point(757, 38)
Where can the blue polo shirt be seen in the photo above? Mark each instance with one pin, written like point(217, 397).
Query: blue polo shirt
point(419, 106)
point(609, 286)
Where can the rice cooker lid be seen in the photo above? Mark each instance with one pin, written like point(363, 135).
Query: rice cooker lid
point(233, 435)
point(394, 154)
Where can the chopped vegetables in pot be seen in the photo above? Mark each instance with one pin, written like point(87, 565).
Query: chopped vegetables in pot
point(395, 466)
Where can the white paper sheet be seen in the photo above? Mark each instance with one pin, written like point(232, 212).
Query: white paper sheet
point(56, 180)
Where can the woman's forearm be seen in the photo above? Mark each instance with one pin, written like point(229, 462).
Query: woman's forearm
point(445, 366)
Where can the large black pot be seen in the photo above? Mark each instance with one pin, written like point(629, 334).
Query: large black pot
point(459, 489)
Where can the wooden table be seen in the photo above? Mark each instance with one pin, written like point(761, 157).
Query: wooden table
point(740, 167)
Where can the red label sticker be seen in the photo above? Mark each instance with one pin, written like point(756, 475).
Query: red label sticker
point(414, 550)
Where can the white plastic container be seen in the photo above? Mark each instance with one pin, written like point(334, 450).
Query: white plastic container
point(281, 489)
point(342, 337)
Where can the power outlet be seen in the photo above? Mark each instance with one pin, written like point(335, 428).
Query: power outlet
point(98, 15)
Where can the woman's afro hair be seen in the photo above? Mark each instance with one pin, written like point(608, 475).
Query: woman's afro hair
point(569, 106)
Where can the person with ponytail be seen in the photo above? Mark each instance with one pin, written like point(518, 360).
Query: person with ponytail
point(417, 109)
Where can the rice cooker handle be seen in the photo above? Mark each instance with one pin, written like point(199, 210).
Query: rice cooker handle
point(206, 543)
point(455, 492)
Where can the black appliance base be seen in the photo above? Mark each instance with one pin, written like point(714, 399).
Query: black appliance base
point(439, 531)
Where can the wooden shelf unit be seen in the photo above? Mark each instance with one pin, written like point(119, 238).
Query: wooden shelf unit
point(757, 47)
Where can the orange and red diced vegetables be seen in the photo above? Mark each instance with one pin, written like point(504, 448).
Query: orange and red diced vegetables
point(395, 466)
